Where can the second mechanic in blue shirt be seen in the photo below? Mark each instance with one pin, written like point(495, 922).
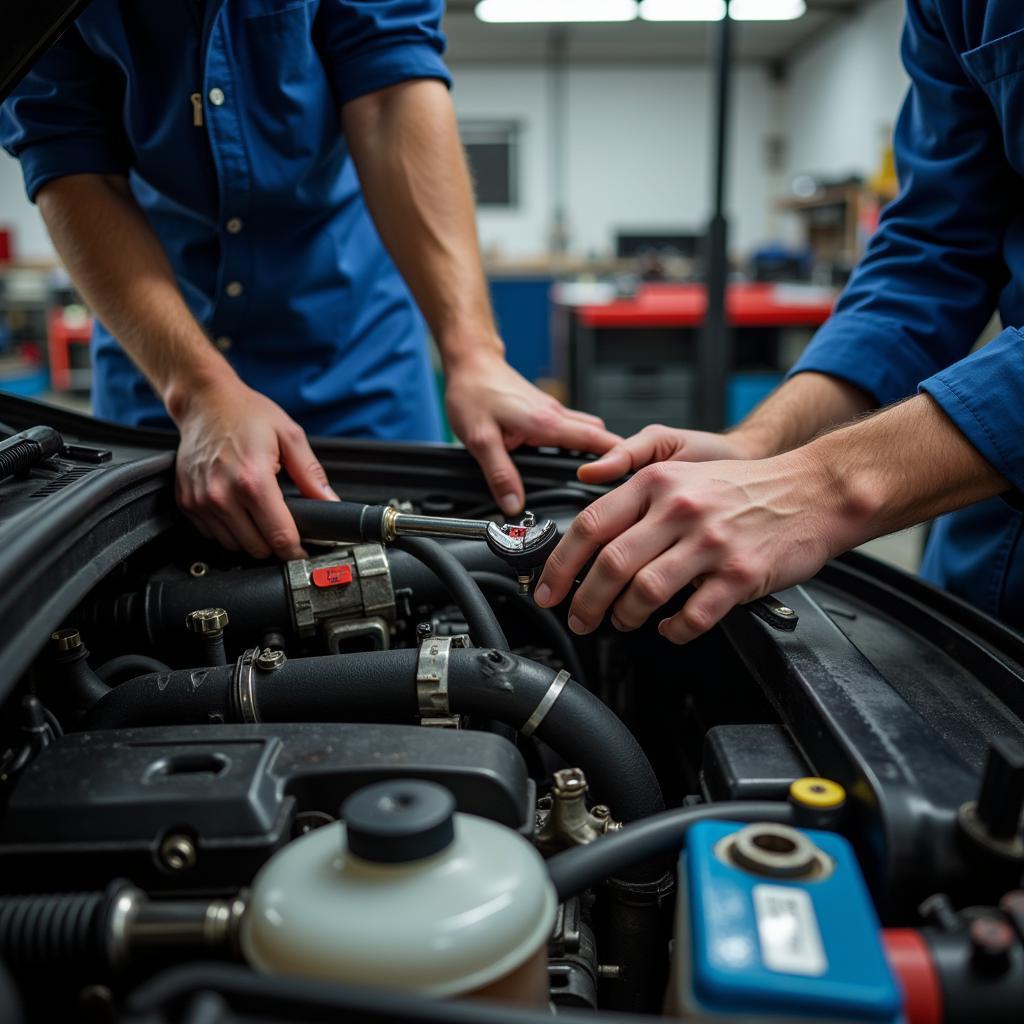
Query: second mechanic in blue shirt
point(770, 502)
point(198, 165)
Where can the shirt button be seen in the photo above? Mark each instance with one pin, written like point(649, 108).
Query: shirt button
point(217, 96)
point(234, 225)
point(234, 289)
point(223, 343)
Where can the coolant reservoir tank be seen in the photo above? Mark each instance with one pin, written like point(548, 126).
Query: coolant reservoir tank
point(409, 894)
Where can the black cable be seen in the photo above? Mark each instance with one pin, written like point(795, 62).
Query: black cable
point(126, 666)
point(544, 619)
point(484, 627)
point(583, 867)
point(549, 496)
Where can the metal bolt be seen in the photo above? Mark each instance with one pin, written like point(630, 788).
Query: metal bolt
point(65, 640)
point(270, 659)
point(569, 782)
point(529, 519)
point(524, 579)
point(612, 971)
point(205, 621)
point(600, 811)
point(424, 631)
point(786, 613)
point(178, 853)
point(198, 569)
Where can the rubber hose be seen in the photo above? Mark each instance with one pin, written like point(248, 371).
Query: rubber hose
point(574, 871)
point(380, 686)
point(126, 666)
point(544, 619)
point(484, 627)
point(48, 931)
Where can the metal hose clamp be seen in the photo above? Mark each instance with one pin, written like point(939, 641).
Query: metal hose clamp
point(547, 702)
point(244, 684)
point(432, 678)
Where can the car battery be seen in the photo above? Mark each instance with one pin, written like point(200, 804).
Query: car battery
point(775, 923)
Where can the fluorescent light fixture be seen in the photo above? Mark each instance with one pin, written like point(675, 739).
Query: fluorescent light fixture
point(534, 11)
point(682, 10)
point(714, 10)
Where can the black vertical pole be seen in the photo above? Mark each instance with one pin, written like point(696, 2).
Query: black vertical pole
point(558, 135)
point(715, 350)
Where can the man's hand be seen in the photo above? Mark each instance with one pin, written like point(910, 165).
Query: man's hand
point(664, 444)
point(742, 529)
point(234, 442)
point(493, 409)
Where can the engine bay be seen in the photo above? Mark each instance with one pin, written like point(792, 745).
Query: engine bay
point(769, 823)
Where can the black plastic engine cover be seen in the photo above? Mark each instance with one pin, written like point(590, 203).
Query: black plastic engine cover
point(98, 805)
point(750, 762)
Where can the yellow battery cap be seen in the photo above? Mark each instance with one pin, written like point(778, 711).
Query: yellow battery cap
point(820, 794)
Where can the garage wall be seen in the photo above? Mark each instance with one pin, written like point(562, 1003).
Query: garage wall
point(638, 151)
point(31, 240)
point(843, 95)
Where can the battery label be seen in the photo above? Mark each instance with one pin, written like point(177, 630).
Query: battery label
point(788, 929)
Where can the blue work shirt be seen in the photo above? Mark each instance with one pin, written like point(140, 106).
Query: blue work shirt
point(948, 253)
point(226, 117)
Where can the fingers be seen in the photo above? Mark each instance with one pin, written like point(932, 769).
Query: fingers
point(713, 600)
point(578, 434)
point(506, 486)
point(597, 524)
point(275, 524)
point(613, 569)
point(302, 465)
point(652, 444)
point(656, 583)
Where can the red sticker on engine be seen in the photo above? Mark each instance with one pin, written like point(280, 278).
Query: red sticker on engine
point(332, 576)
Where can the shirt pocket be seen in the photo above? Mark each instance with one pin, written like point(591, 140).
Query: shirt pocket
point(281, 40)
point(996, 68)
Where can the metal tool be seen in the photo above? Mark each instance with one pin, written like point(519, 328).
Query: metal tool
point(523, 546)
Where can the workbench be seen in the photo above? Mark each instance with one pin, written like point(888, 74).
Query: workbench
point(633, 360)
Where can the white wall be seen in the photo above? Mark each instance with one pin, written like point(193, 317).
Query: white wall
point(638, 151)
point(843, 95)
point(30, 238)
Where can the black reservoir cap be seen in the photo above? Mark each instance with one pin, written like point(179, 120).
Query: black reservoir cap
point(399, 821)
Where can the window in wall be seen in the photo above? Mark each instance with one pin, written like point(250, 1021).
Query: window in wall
point(492, 148)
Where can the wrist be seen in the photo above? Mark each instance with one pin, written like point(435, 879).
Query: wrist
point(191, 385)
point(466, 348)
point(848, 489)
point(751, 442)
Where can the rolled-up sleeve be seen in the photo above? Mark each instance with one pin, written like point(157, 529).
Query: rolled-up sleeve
point(931, 276)
point(372, 44)
point(64, 118)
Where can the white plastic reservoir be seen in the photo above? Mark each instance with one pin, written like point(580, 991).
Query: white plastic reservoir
point(409, 894)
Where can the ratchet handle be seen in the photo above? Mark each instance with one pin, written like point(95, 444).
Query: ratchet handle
point(337, 520)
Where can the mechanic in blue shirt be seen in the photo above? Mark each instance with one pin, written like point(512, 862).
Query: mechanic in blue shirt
point(949, 251)
point(196, 165)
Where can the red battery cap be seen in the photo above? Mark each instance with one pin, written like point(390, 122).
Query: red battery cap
point(332, 576)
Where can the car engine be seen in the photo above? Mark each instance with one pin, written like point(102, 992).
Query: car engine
point(380, 783)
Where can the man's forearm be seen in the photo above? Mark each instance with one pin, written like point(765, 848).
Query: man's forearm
point(902, 466)
point(798, 410)
point(406, 146)
point(122, 272)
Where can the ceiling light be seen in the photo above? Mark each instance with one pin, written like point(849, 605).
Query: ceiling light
point(556, 10)
point(682, 10)
point(714, 10)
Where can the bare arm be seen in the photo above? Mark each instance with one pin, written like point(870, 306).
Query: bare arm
point(406, 147)
point(746, 528)
point(233, 440)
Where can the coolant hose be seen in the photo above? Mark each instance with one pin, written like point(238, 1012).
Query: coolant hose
point(574, 871)
point(380, 686)
point(127, 666)
point(484, 627)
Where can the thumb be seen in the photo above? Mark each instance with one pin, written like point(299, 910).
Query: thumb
point(499, 470)
point(304, 468)
point(610, 466)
